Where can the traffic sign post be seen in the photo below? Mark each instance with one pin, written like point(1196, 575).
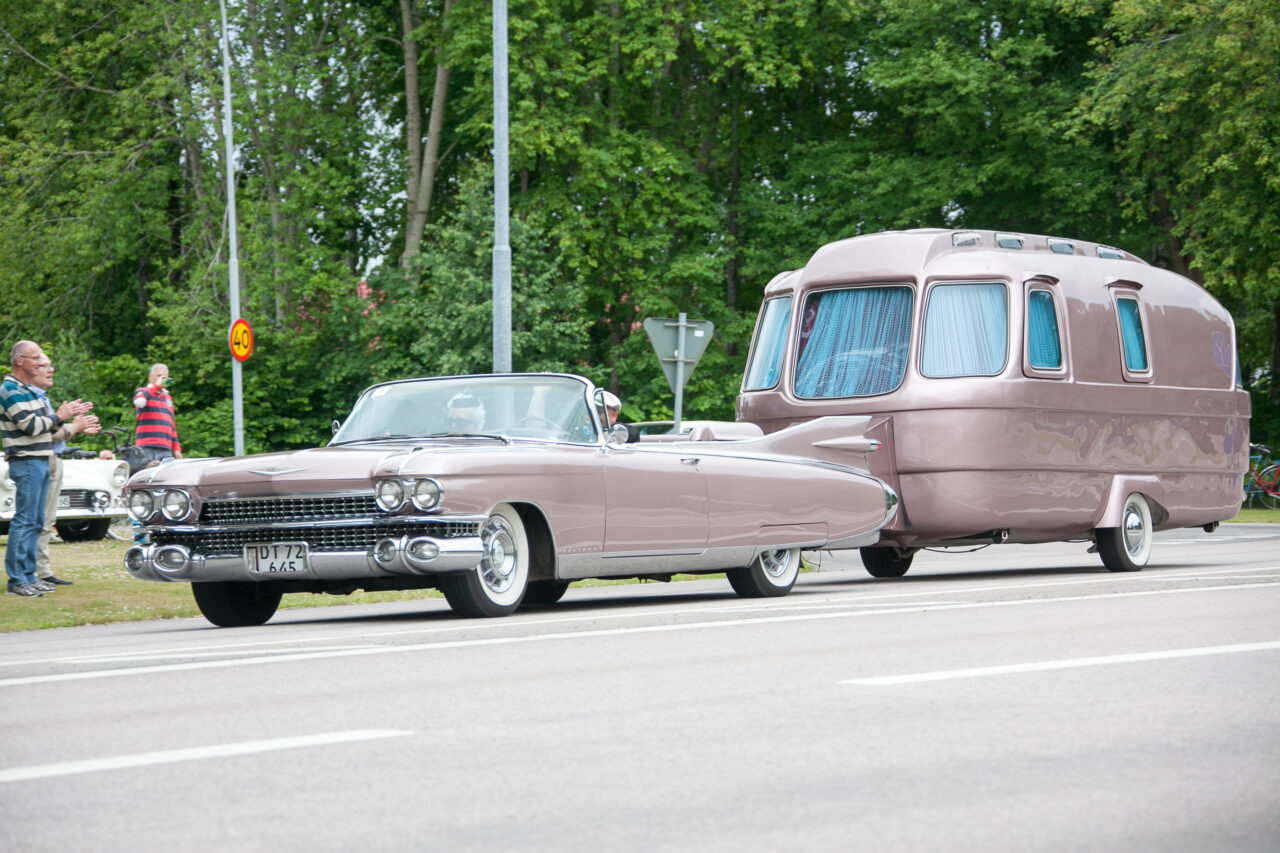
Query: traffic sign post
point(240, 339)
point(679, 344)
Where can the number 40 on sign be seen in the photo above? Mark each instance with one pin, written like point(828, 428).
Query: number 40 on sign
point(241, 340)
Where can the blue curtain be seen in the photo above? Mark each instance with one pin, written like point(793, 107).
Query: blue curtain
point(857, 342)
point(966, 330)
point(1043, 346)
point(766, 361)
point(1135, 346)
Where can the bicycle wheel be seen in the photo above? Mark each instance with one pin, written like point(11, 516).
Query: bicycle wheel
point(1269, 480)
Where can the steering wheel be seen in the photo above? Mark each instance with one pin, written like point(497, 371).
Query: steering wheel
point(529, 421)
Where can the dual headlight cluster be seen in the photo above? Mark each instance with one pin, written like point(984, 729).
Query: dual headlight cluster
point(392, 494)
point(174, 504)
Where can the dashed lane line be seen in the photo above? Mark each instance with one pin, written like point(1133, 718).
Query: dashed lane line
point(172, 756)
point(1049, 665)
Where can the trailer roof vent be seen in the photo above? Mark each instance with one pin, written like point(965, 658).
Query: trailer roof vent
point(964, 238)
point(1061, 247)
point(1109, 252)
point(1009, 241)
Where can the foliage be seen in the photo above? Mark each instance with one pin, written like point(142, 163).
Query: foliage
point(1185, 94)
point(665, 158)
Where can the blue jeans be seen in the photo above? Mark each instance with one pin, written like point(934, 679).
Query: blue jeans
point(31, 477)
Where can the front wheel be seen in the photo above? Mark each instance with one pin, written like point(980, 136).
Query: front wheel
point(886, 562)
point(1128, 547)
point(229, 604)
point(771, 574)
point(83, 530)
point(1269, 483)
point(121, 529)
point(544, 592)
point(497, 585)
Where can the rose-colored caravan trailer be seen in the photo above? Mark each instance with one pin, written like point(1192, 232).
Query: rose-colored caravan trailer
point(1023, 388)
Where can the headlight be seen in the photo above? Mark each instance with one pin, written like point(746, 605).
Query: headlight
point(121, 475)
point(426, 494)
point(175, 505)
point(141, 505)
point(389, 494)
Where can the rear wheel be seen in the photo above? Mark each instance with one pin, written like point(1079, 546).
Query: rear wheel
point(228, 604)
point(83, 530)
point(770, 575)
point(886, 562)
point(1128, 547)
point(498, 584)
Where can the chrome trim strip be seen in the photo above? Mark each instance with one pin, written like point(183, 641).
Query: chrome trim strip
point(380, 521)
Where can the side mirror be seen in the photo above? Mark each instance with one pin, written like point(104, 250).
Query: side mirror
point(623, 434)
point(337, 425)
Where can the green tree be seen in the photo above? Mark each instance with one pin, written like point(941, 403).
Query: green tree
point(1185, 93)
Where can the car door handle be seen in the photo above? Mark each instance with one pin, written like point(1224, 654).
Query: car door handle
point(691, 460)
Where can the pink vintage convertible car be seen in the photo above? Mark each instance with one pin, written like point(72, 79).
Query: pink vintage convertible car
point(500, 490)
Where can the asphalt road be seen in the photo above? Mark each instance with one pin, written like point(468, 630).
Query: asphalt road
point(1017, 698)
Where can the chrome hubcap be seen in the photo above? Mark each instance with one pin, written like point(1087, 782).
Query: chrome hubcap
point(497, 570)
point(1135, 531)
point(775, 563)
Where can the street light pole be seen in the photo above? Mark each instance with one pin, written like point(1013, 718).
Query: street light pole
point(233, 262)
point(501, 197)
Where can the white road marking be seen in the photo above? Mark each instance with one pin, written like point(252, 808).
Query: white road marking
point(1069, 663)
point(170, 756)
point(514, 639)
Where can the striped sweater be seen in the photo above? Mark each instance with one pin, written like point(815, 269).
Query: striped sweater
point(155, 419)
point(26, 424)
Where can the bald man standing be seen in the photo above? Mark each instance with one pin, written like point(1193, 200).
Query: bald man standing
point(27, 429)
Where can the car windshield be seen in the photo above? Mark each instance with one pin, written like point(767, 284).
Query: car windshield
point(543, 406)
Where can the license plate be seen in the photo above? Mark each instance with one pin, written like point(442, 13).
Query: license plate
point(64, 501)
point(278, 558)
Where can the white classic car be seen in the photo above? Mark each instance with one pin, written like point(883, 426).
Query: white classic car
point(89, 506)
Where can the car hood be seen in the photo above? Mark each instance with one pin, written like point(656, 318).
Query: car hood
point(312, 469)
point(320, 469)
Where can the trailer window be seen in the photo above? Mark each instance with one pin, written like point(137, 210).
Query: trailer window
point(771, 342)
point(1135, 344)
point(853, 343)
point(1044, 347)
point(966, 330)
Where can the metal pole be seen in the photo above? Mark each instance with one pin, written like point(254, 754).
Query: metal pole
point(680, 329)
point(233, 251)
point(501, 197)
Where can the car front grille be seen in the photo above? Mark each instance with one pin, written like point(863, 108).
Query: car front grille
point(79, 498)
point(362, 538)
point(252, 510)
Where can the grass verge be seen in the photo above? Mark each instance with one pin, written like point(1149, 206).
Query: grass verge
point(103, 592)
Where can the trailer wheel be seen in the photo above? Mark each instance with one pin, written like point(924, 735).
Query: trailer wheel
point(1128, 547)
point(886, 562)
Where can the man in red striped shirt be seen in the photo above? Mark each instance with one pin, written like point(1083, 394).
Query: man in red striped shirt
point(156, 434)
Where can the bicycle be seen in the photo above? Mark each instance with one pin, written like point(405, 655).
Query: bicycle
point(1262, 482)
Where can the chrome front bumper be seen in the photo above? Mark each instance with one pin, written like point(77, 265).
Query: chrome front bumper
point(390, 557)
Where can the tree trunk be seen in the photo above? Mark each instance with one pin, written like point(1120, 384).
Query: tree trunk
point(423, 161)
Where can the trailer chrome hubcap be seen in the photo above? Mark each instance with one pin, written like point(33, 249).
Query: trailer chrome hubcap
point(1135, 529)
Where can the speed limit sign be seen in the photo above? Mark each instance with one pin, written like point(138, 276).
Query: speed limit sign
point(241, 340)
